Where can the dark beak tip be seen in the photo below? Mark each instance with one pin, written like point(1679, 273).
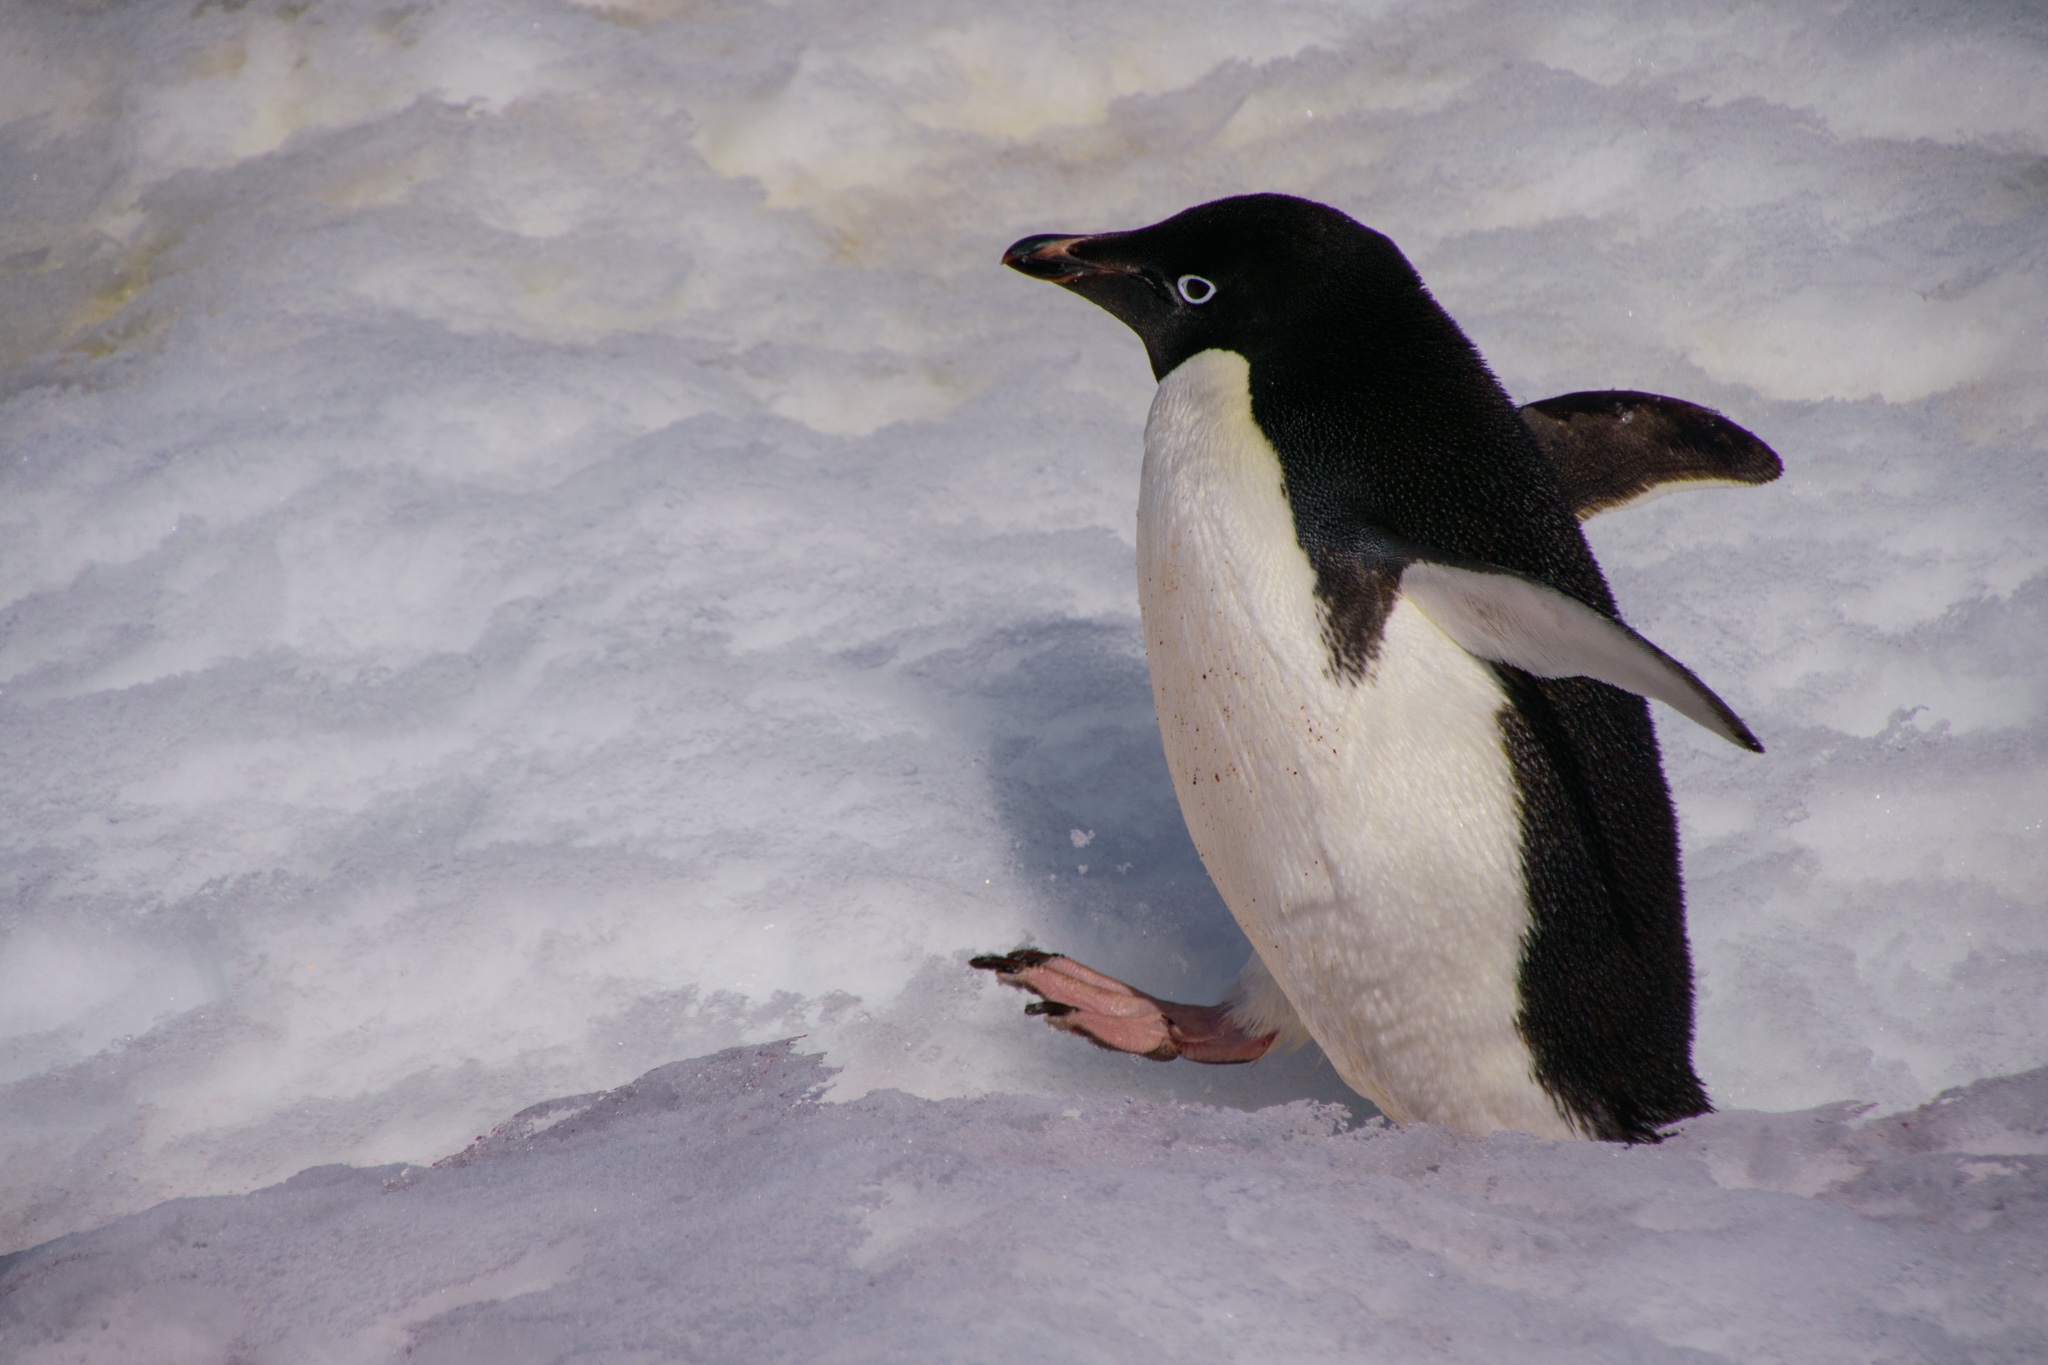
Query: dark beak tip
point(1022, 249)
point(1043, 256)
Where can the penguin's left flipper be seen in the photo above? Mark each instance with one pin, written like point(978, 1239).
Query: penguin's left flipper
point(1505, 617)
point(1080, 1000)
point(1615, 447)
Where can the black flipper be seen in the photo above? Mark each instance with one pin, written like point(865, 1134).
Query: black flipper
point(1612, 447)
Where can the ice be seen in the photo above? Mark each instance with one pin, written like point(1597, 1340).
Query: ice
point(536, 540)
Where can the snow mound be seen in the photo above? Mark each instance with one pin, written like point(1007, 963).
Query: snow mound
point(715, 1210)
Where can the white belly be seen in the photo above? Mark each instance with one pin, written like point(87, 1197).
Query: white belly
point(1366, 835)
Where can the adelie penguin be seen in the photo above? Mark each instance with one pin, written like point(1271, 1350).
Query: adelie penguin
point(1405, 722)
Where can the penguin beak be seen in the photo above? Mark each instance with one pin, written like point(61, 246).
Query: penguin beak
point(1127, 289)
point(1049, 256)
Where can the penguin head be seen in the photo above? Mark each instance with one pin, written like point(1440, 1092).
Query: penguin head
point(1243, 274)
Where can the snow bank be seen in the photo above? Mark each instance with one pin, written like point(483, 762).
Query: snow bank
point(713, 1210)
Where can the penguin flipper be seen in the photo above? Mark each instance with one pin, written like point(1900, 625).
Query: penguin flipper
point(1614, 447)
point(1505, 617)
point(1120, 1018)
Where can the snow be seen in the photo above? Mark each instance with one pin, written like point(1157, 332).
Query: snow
point(536, 540)
point(713, 1210)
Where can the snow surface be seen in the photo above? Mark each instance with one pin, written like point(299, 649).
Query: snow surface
point(536, 540)
point(714, 1211)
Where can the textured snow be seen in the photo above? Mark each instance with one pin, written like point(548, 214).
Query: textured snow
point(536, 540)
point(713, 1210)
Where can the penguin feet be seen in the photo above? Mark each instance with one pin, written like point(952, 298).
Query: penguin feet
point(1109, 1014)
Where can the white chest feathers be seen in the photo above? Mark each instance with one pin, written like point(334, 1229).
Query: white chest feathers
point(1366, 834)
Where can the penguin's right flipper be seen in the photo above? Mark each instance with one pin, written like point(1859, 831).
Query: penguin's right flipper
point(1080, 1000)
point(1614, 447)
point(1505, 617)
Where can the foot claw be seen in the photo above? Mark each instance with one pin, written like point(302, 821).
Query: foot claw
point(1009, 964)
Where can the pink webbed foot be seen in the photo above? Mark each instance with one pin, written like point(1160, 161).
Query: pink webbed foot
point(1109, 1014)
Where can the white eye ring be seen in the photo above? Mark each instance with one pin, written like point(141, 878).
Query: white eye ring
point(1195, 289)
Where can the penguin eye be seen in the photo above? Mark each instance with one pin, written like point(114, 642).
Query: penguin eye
point(1195, 289)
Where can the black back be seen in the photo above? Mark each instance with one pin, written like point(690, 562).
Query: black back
point(1388, 424)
